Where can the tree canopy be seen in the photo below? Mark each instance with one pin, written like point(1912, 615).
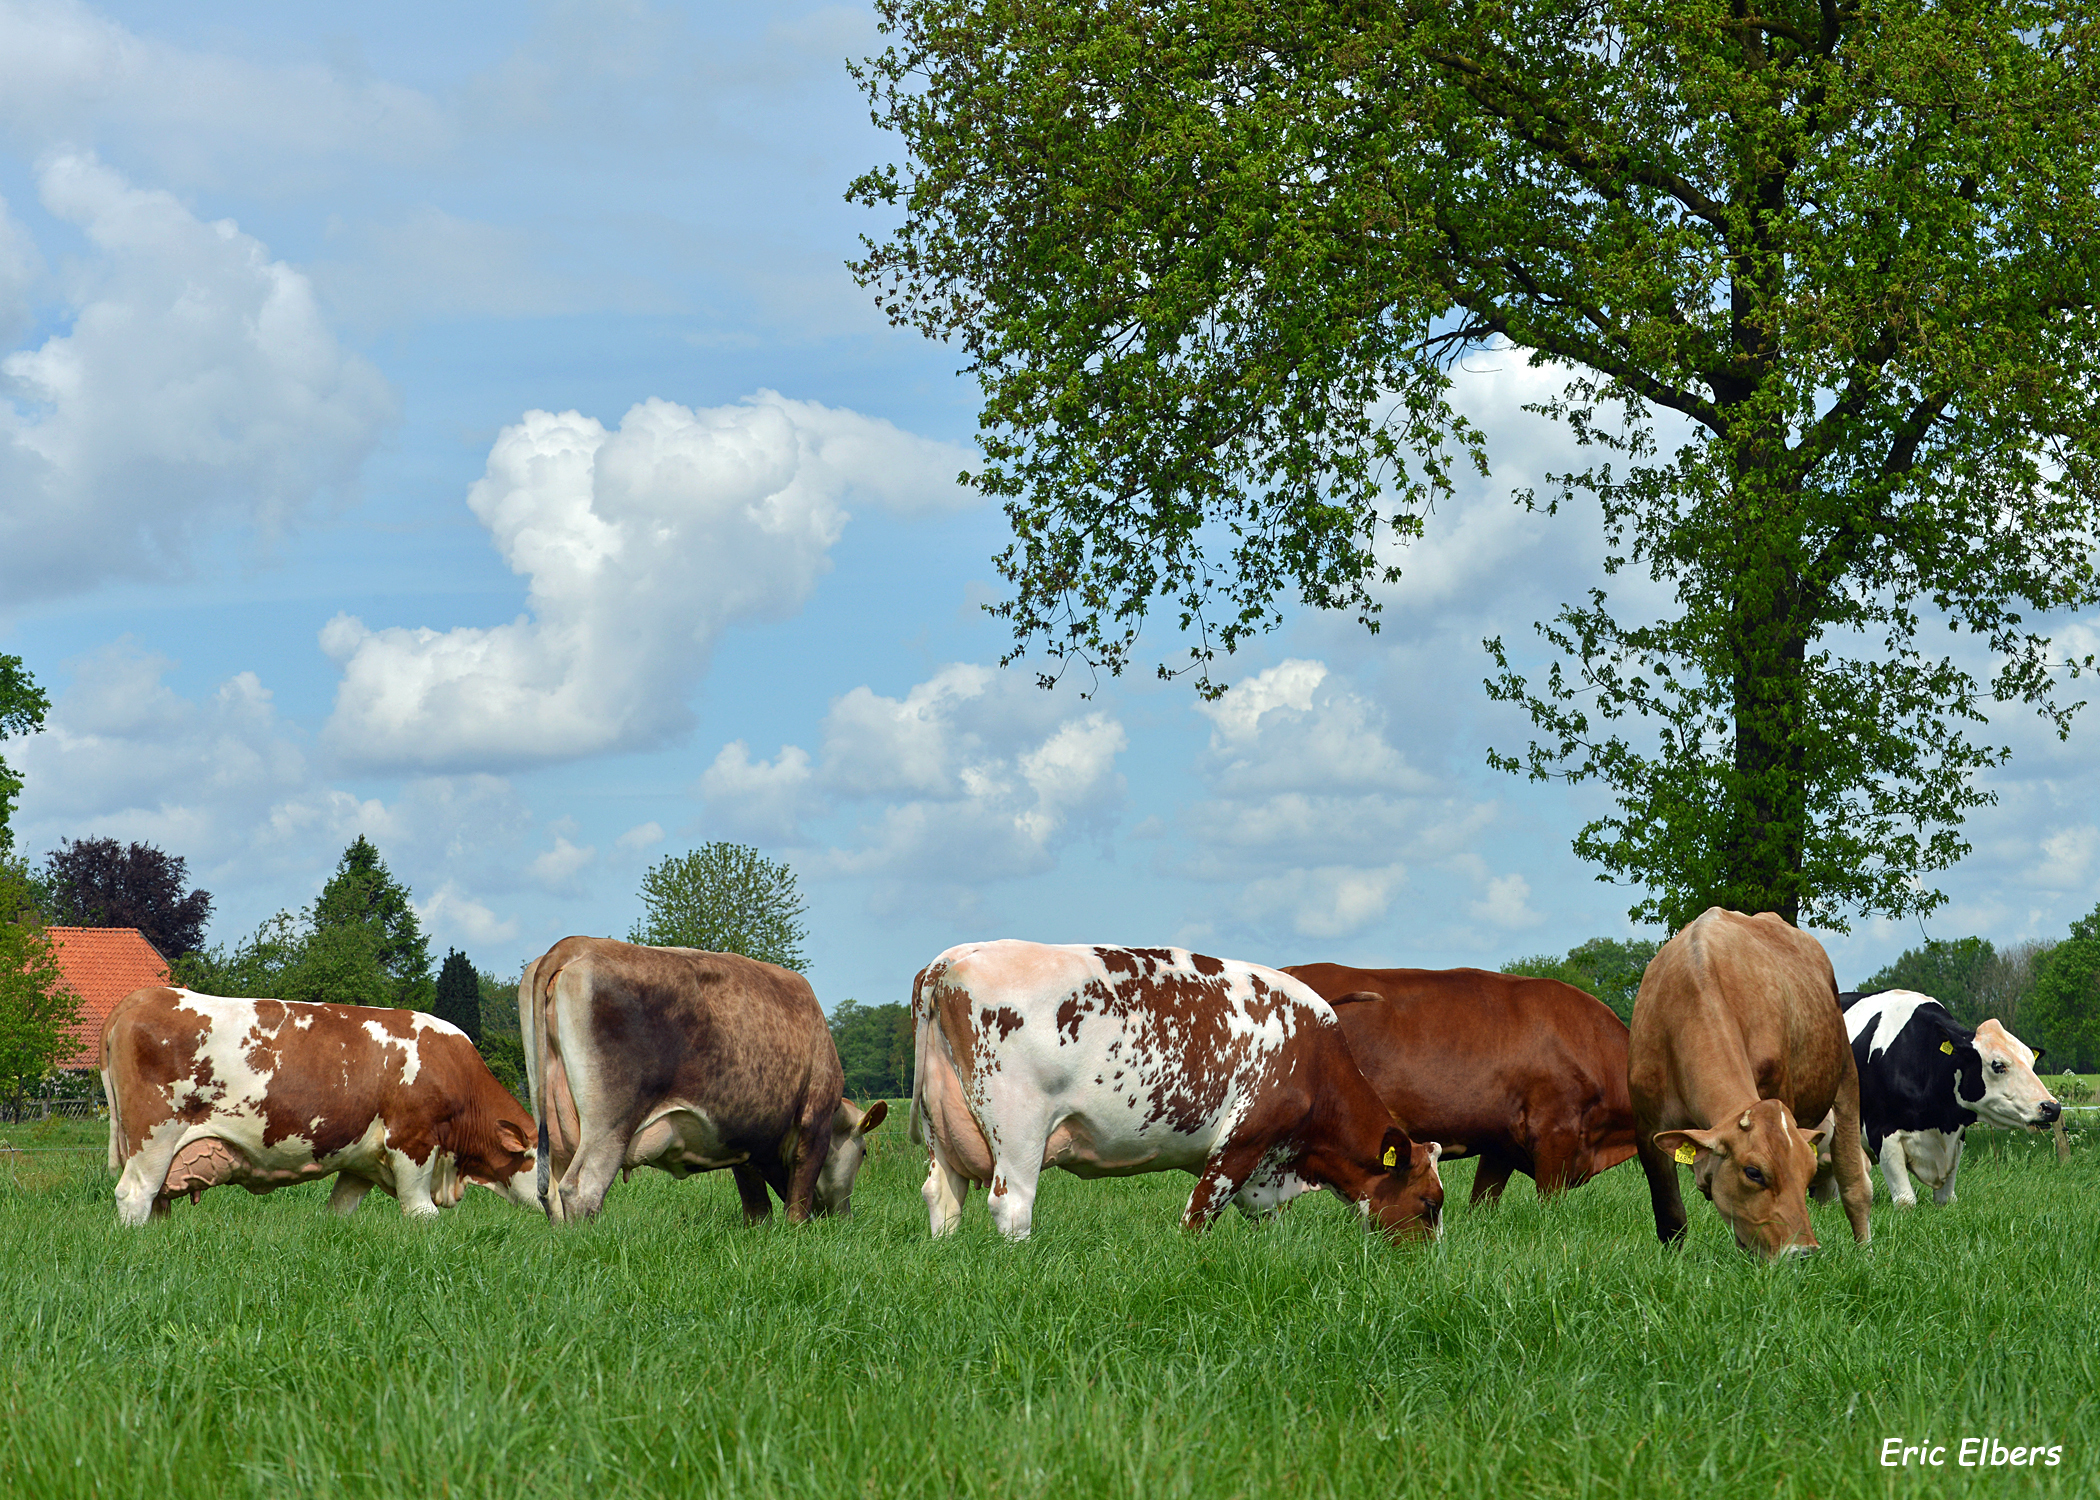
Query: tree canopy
point(359, 943)
point(726, 898)
point(875, 1045)
point(1211, 262)
point(101, 883)
point(458, 996)
point(1608, 968)
point(39, 1012)
point(22, 709)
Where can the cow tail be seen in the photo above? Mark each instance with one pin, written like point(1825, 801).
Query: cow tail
point(116, 1122)
point(921, 1015)
point(550, 1191)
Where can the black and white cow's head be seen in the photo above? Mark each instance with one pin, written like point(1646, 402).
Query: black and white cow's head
point(1997, 1080)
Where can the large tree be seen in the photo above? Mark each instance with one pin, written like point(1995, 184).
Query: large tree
point(458, 995)
point(102, 883)
point(1821, 278)
point(22, 709)
point(726, 898)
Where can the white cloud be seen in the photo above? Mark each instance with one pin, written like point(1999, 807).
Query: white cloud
point(1508, 904)
point(977, 776)
point(641, 545)
point(640, 837)
point(198, 385)
point(67, 74)
point(2067, 854)
point(451, 911)
point(558, 868)
point(1331, 901)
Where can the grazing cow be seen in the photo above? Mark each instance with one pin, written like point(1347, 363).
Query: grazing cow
point(1924, 1078)
point(686, 1061)
point(1527, 1074)
point(204, 1090)
point(1736, 1039)
point(1112, 1061)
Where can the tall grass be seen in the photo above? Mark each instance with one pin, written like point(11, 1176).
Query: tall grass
point(256, 1346)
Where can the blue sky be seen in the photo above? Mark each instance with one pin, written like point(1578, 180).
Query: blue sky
point(458, 426)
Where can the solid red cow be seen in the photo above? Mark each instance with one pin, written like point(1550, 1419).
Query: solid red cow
point(1528, 1074)
point(1111, 1061)
point(264, 1093)
point(688, 1061)
point(1737, 1038)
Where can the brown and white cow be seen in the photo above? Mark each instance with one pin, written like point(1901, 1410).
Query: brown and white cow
point(1737, 1038)
point(1112, 1061)
point(1528, 1074)
point(205, 1090)
point(688, 1061)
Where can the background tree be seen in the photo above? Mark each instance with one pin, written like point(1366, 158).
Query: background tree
point(101, 883)
point(22, 709)
point(875, 1049)
point(501, 1042)
point(358, 944)
point(727, 898)
point(1210, 264)
point(1609, 968)
point(458, 996)
point(2062, 1012)
point(39, 1013)
point(1954, 972)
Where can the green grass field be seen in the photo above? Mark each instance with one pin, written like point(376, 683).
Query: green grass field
point(255, 1346)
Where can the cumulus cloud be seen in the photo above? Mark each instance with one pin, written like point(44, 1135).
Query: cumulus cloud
point(1508, 904)
point(641, 544)
point(1329, 901)
point(198, 384)
point(968, 776)
point(224, 781)
point(451, 911)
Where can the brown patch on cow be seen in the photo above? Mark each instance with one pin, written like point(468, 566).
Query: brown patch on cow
point(1208, 967)
point(1006, 1018)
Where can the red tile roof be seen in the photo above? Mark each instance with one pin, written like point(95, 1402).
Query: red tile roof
point(103, 965)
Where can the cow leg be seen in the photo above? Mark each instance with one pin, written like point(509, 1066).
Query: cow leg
point(350, 1190)
point(1558, 1162)
point(1855, 1188)
point(598, 1159)
point(808, 1165)
point(1944, 1193)
point(1491, 1176)
point(1895, 1171)
point(1012, 1196)
point(751, 1187)
point(1664, 1191)
point(162, 1207)
point(943, 1191)
point(1220, 1181)
point(145, 1174)
point(412, 1185)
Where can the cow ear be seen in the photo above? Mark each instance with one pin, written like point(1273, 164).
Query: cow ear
point(1816, 1139)
point(1678, 1142)
point(2037, 1057)
point(877, 1113)
point(512, 1137)
point(1396, 1151)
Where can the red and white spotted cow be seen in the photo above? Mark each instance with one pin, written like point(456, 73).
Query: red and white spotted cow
point(1113, 1061)
point(265, 1093)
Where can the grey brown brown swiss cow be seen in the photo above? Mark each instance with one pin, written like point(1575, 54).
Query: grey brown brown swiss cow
point(205, 1090)
point(687, 1061)
point(1527, 1074)
point(1737, 1038)
point(1111, 1061)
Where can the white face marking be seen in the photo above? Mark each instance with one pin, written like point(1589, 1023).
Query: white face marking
point(2012, 1095)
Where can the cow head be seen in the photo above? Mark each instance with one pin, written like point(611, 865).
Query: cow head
point(513, 1167)
point(849, 1147)
point(1756, 1170)
point(1407, 1197)
point(1995, 1077)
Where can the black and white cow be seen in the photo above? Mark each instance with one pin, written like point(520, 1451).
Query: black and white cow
point(1924, 1078)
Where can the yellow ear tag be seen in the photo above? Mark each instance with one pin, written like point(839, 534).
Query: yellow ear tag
point(1948, 1048)
point(1686, 1154)
point(1392, 1156)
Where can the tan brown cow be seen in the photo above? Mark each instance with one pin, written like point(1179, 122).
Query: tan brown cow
point(205, 1090)
point(1527, 1074)
point(1110, 1061)
point(688, 1061)
point(1737, 1038)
